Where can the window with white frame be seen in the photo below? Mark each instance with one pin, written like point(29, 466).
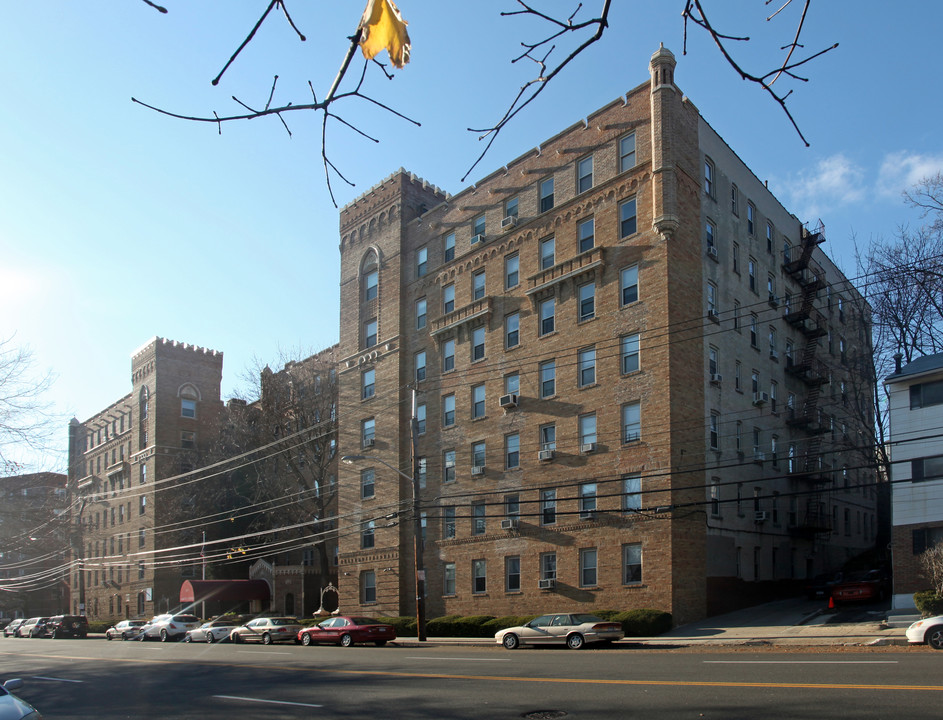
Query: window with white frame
point(587, 428)
point(632, 564)
point(368, 586)
point(370, 333)
point(478, 343)
point(631, 422)
point(751, 219)
point(449, 247)
point(587, 497)
point(584, 174)
point(546, 315)
point(587, 301)
point(548, 437)
point(479, 576)
point(631, 493)
point(478, 285)
point(545, 194)
point(478, 228)
point(448, 584)
point(512, 383)
point(548, 378)
point(512, 574)
point(547, 253)
point(548, 566)
point(448, 355)
point(585, 234)
point(512, 451)
point(478, 454)
point(478, 401)
point(421, 418)
point(371, 280)
point(420, 363)
point(627, 152)
point(448, 410)
point(751, 274)
point(368, 432)
point(367, 483)
point(512, 271)
point(368, 383)
point(628, 220)
point(479, 519)
point(512, 330)
point(588, 567)
point(448, 298)
point(448, 466)
point(630, 353)
point(511, 207)
point(714, 430)
point(628, 285)
point(421, 313)
point(711, 300)
point(187, 407)
point(734, 200)
point(548, 507)
point(586, 367)
point(709, 177)
point(709, 236)
point(448, 522)
point(368, 534)
point(712, 360)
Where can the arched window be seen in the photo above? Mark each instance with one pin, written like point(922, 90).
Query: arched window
point(370, 276)
point(189, 397)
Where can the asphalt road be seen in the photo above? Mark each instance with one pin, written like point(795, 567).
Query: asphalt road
point(98, 679)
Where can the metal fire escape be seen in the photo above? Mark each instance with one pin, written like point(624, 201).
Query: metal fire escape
point(809, 466)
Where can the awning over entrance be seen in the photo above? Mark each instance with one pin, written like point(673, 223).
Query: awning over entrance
point(227, 591)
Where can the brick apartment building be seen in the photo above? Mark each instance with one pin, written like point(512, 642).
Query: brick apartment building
point(121, 461)
point(915, 404)
point(630, 363)
point(33, 545)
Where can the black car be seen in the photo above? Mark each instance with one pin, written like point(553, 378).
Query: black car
point(61, 626)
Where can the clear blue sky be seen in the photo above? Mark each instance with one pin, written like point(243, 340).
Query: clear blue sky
point(117, 224)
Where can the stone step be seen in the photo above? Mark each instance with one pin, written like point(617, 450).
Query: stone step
point(901, 620)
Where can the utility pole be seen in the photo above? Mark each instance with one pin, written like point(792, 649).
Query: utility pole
point(417, 529)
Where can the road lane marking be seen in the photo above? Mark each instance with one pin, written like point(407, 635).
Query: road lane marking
point(497, 678)
point(271, 702)
point(800, 662)
point(440, 659)
point(262, 652)
point(52, 679)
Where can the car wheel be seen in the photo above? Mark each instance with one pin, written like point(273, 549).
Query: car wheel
point(575, 641)
point(142, 637)
point(164, 637)
point(379, 643)
point(346, 640)
point(55, 635)
point(934, 637)
point(186, 638)
point(510, 641)
point(306, 639)
point(236, 638)
point(266, 639)
point(108, 636)
point(209, 638)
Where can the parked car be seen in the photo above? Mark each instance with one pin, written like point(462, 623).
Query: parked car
point(32, 627)
point(209, 632)
point(61, 626)
point(169, 627)
point(928, 631)
point(267, 630)
point(126, 630)
point(12, 707)
point(572, 629)
point(862, 586)
point(820, 587)
point(346, 630)
point(10, 630)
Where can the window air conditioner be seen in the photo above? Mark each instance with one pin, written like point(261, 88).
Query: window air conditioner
point(712, 252)
point(510, 524)
point(588, 515)
point(545, 455)
point(509, 222)
point(478, 470)
point(760, 516)
point(546, 584)
point(716, 378)
point(587, 447)
point(773, 300)
point(369, 442)
point(477, 239)
point(508, 401)
point(760, 398)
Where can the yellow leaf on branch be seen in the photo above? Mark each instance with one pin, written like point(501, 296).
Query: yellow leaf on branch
point(383, 28)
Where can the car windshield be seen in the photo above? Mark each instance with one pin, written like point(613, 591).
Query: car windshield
point(282, 621)
point(577, 619)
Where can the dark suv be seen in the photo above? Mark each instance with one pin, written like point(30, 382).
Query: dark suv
point(61, 626)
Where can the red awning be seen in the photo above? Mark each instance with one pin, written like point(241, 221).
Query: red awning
point(231, 591)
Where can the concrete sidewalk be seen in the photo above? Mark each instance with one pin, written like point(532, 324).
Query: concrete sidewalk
point(792, 622)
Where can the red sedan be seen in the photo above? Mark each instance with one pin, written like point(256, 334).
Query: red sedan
point(347, 630)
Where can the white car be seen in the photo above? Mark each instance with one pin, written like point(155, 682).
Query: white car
point(169, 627)
point(210, 632)
point(267, 630)
point(571, 629)
point(13, 707)
point(126, 630)
point(928, 631)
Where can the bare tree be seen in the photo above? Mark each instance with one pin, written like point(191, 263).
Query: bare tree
point(27, 422)
point(927, 195)
point(931, 560)
point(562, 37)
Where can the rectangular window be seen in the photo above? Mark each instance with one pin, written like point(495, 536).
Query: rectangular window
point(512, 506)
point(512, 271)
point(478, 285)
point(448, 410)
point(368, 383)
point(734, 200)
point(422, 261)
point(449, 246)
point(712, 360)
point(448, 527)
point(631, 422)
point(187, 439)
point(512, 574)
point(370, 333)
point(586, 364)
point(512, 451)
point(478, 343)
point(142, 507)
point(546, 315)
point(928, 468)
point(627, 218)
point(587, 299)
point(367, 483)
point(548, 507)
point(420, 363)
point(448, 466)
point(587, 497)
point(769, 237)
point(584, 174)
point(420, 313)
point(587, 428)
point(479, 227)
point(628, 283)
point(712, 301)
point(627, 152)
point(187, 408)
point(545, 192)
point(512, 384)
point(630, 353)
point(421, 464)
point(751, 219)
point(548, 253)
point(714, 431)
point(421, 418)
point(709, 235)
point(448, 355)
point(368, 534)
point(512, 330)
point(479, 576)
point(368, 432)
point(588, 567)
point(478, 401)
point(631, 493)
point(511, 207)
point(926, 394)
point(736, 315)
point(754, 339)
point(548, 378)
point(751, 273)
point(735, 253)
point(632, 564)
point(585, 235)
point(478, 454)
point(370, 285)
point(709, 177)
point(548, 437)
point(448, 298)
point(448, 584)
point(479, 521)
